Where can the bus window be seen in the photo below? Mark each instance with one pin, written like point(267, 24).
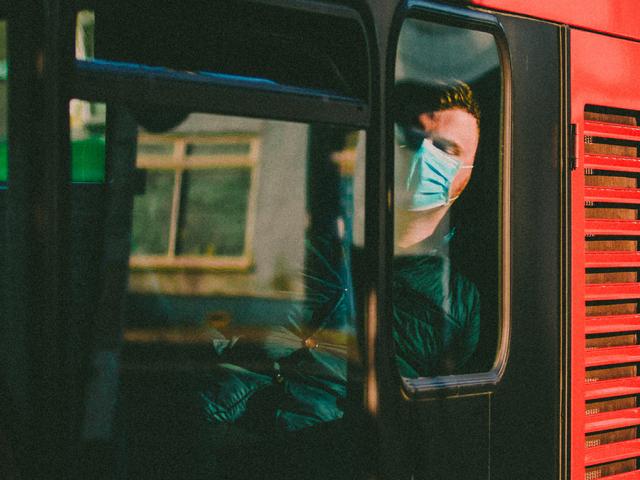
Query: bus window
point(239, 337)
point(446, 266)
point(271, 44)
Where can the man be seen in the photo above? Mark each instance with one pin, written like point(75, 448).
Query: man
point(436, 310)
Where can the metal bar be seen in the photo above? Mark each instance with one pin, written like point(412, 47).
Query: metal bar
point(627, 417)
point(612, 452)
point(40, 45)
point(597, 357)
point(611, 130)
point(595, 292)
point(612, 324)
point(605, 227)
point(139, 84)
point(612, 388)
point(612, 259)
point(58, 337)
point(23, 303)
point(613, 163)
point(612, 195)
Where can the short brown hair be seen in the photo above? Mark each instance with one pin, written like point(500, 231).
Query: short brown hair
point(460, 95)
point(413, 98)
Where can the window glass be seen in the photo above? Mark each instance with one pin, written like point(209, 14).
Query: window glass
point(273, 44)
point(215, 212)
point(239, 314)
point(447, 106)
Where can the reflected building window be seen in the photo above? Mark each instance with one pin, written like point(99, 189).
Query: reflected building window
point(242, 234)
point(198, 205)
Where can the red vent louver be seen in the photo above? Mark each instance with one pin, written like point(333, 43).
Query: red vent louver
point(606, 320)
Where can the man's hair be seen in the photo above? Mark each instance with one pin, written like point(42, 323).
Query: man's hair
point(413, 98)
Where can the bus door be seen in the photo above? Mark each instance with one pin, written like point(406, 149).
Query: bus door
point(476, 243)
point(605, 111)
point(216, 163)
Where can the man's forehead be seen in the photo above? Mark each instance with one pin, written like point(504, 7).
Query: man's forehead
point(454, 124)
point(455, 118)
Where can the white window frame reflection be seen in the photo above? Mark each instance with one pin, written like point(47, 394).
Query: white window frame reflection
point(85, 21)
point(178, 162)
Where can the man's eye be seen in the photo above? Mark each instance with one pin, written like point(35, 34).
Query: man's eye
point(445, 147)
point(440, 146)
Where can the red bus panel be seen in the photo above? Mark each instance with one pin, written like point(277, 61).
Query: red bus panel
point(618, 17)
point(605, 232)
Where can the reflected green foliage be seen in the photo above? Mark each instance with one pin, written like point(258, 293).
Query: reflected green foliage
point(214, 211)
point(4, 174)
point(152, 214)
point(87, 160)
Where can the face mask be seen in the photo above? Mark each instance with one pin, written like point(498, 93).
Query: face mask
point(430, 177)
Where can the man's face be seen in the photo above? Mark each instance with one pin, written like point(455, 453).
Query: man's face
point(454, 131)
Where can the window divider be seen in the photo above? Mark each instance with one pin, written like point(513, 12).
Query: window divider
point(252, 204)
point(135, 84)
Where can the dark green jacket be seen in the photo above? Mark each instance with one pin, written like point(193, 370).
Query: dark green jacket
point(293, 374)
point(436, 317)
point(282, 382)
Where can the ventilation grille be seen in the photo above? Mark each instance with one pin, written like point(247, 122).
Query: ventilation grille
point(611, 294)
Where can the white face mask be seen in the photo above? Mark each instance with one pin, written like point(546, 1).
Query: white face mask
point(430, 177)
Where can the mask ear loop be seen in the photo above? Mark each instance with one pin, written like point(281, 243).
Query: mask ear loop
point(452, 199)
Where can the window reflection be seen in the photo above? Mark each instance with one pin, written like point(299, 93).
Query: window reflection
point(447, 110)
point(240, 276)
point(198, 206)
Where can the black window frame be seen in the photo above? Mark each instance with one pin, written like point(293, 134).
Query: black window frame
point(126, 83)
